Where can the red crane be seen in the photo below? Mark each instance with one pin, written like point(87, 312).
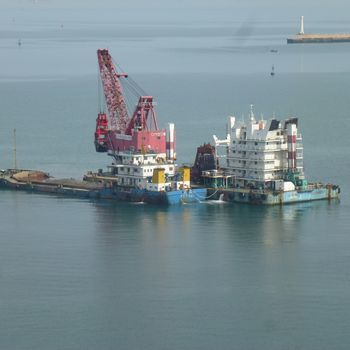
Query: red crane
point(116, 106)
point(116, 131)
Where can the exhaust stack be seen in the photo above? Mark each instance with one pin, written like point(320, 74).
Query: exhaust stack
point(170, 142)
point(291, 141)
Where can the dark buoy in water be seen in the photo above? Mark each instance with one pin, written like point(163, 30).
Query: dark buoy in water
point(19, 42)
point(272, 71)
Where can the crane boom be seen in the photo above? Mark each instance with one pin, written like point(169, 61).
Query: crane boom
point(118, 116)
point(117, 131)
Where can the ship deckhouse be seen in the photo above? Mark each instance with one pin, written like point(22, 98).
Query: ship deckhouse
point(145, 171)
point(262, 151)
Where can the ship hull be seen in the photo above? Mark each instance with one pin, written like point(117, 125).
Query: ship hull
point(126, 194)
point(155, 197)
point(57, 189)
point(176, 197)
point(275, 197)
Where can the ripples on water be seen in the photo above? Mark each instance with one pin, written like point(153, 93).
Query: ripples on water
point(84, 274)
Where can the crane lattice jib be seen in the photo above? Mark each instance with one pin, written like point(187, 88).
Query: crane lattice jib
point(140, 119)
point(117, 110)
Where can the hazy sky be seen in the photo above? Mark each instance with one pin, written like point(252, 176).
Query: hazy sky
point(313, 6)
point(180, 12)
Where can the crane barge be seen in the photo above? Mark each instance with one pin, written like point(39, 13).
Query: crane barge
point(143, 167)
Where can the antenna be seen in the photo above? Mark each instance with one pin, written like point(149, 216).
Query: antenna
point(301, 25)
point(14, 150)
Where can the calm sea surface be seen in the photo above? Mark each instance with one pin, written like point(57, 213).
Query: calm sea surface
point(80, 274)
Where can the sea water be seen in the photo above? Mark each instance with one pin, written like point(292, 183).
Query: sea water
point(81, 274)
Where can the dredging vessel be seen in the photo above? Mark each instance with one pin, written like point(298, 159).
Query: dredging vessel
point(302, 38)
point(264, 164)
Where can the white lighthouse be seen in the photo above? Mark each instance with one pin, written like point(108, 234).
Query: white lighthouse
point(301, 25)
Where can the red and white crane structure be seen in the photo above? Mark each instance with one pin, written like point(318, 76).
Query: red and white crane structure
point(117, 131)
point(116, 106)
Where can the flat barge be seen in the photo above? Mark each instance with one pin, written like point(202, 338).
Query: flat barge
point(38, 181)
point(302, 38)
point(105, 186)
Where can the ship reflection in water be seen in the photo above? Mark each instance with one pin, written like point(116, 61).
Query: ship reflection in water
point(268, 225)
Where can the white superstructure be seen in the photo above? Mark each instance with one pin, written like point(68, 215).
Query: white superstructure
point(261, 152)
point(147, 171)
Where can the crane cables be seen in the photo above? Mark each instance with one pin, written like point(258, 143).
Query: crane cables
point(132, 90)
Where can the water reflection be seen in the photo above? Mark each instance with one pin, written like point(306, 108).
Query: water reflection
point(270, 225)
point(116, 267)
